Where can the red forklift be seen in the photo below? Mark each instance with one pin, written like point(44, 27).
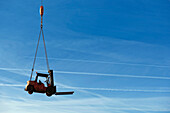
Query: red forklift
point(39, 87)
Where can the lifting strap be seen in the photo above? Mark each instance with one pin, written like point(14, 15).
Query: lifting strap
point(41, 2)
point(41, 32)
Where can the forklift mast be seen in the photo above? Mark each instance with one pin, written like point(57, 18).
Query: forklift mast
point(51, 77)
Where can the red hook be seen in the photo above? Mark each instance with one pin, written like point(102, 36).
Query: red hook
point(41, 10)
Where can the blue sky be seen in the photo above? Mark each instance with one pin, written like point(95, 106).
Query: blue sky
point(113, 53)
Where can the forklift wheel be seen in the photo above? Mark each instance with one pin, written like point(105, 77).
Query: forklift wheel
point(50, 91)
point(30, 89)
point(48, 94)
point(30, 92)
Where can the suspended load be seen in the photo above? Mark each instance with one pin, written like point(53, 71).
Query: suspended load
point(37, 86)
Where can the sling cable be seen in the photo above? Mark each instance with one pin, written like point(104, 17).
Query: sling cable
point(41, 32)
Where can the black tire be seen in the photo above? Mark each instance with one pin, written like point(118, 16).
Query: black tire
point(30, 92)
point(30, 89)
point(48, 94)
point(50, 91)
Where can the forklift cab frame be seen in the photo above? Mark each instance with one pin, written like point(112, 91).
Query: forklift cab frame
point(42, 75)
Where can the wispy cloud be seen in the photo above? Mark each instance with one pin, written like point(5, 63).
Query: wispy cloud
point(98, 89)
point(112, 75)
point(122, 90)
point(11, 85)
point(106, 62)
point(95, 104)
point(94, 74)
point(92, 105)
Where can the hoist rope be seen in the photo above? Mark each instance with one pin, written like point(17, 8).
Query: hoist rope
point(35, 54)
point(41, 32)
point(45, 51)
point(41, 2)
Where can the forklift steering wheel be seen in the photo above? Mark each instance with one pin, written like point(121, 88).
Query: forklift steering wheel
point(40, 82)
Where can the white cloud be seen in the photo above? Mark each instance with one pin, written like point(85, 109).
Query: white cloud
point(92, 105)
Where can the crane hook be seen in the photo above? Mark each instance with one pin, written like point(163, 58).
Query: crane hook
point(41, 10)
point(41, 13)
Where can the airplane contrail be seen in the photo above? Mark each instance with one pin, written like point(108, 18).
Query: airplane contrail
point(14, 69)
point(106, 62)
point(94, 74)
point(12, 85)
point(112, 75)
point(119, 90)
point(96, 89)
